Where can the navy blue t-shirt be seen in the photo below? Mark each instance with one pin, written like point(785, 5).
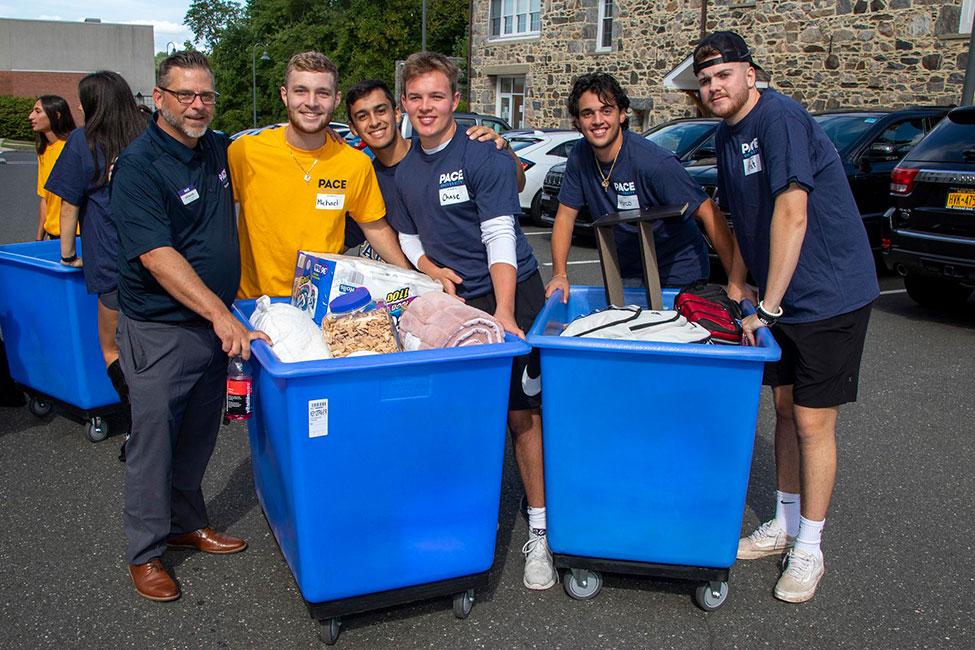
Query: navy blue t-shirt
point(72, 180)
point(166, 194)
point(387, 187)
point(776, 144)
point(444, 197)
point(645, 176)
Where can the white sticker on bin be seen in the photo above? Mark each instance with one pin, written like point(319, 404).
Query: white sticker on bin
point(317, 418)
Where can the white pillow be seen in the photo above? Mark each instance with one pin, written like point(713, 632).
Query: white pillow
point(293, 333)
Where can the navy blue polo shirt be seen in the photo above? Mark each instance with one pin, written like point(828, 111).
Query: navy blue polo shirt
point(775, 145)
point(166, 194)
point(444, 197)
point(644, 176)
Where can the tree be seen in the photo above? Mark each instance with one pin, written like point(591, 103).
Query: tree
point(209, 18)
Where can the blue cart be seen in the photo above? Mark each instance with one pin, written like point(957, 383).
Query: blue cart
point(380, 476)
point(50, 329)
point(655, 435)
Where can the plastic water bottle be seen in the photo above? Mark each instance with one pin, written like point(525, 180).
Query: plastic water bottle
point(240, 384)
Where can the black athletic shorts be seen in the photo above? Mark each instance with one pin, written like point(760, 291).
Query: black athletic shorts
point(525, 391)
point(821, 359)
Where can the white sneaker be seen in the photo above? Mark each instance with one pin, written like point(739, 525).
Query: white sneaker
point(767, 539)
point(802, 573)
point(539, 570)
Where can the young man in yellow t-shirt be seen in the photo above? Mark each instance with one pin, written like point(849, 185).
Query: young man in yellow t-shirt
point(295, 185)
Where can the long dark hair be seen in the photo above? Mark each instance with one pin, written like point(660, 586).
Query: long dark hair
point(112, 119)
point(59, 115)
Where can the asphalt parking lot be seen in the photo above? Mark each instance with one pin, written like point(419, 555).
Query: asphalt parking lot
point(898, 543)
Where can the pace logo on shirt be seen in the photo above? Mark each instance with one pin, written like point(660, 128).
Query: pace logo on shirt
point(626, 198)
point(329, 201)
point(752, 157)
point(452, 189)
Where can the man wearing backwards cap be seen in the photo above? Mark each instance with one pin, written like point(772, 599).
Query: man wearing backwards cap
point(802, 238)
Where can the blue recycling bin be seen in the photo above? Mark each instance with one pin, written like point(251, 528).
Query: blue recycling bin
point(50, 329)
point(648, 446)
point(380, 476)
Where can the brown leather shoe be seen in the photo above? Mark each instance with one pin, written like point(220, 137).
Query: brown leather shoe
point(152, 581)
point(208, 541)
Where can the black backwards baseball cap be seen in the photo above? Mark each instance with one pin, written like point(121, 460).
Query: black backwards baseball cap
point(729, 45)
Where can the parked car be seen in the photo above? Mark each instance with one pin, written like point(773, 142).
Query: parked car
point(691, 140)
point(464, 121)
point(538, 150)
point(340, 128)
point(932, 224)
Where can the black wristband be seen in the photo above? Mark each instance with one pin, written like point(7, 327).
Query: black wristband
point(767, 319)
point(68, 260)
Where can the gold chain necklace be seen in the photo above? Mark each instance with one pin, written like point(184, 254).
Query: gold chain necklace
point(306, 172)
point(605, 177)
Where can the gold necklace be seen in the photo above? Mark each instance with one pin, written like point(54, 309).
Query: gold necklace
point(605, 177)
point(306, 172)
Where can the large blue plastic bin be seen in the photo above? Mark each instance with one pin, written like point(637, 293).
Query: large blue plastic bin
point(50, 326)
point(403, 486)
point(647, 445)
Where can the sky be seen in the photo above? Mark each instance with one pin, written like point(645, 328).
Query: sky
point(166, 16)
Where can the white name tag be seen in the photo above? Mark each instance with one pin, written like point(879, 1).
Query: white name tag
point(330, 201)
point(189, 195)
point(753, 164)
point(452, 195)
point(627, 202)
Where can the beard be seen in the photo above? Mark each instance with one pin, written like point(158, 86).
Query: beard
point(737, 98)
point(178, 122)
point(294, 119)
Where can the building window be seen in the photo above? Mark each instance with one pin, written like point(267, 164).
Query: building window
point(604, 29)
point(967, 11)
point(515, 18)
point(511, 100)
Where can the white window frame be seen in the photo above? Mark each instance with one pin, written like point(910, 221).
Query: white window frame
point(965, 22)
point(508, 27)
point(601, 26)
point(511, 95)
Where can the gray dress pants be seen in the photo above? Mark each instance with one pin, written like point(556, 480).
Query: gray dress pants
point(177, 385)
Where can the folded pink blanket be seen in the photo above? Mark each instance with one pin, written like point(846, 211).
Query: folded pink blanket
point(437, 320)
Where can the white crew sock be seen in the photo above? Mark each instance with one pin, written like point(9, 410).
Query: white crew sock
point(810, 534)
point(536, 518)
point(787, 512)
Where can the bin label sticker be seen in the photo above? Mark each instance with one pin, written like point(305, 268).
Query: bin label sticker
point(317, 418)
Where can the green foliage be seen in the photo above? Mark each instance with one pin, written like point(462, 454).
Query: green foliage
point(13, 117)
point(364, 38)
point(207, 19)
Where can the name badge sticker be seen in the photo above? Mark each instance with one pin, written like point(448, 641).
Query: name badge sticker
point(627, 202)
point(330, 201)
point(188, 194)
point(753, 164)
point(454, 195)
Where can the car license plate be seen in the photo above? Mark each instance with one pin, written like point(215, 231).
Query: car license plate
point(961, 200)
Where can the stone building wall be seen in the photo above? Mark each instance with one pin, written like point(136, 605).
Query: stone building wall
point(826, 53)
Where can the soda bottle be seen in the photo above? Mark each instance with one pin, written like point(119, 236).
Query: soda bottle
point(240, 384)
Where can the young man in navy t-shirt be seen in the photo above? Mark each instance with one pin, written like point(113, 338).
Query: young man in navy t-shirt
point(612, 169)
point(802, 238)
point(456, 214)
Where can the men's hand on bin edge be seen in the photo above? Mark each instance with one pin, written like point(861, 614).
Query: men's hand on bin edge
point(507, 321)
point(236, 338)
point(558, 282)
point(748, 325)
point(75, 263)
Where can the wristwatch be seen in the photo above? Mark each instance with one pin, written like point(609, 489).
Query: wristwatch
point(767, 319)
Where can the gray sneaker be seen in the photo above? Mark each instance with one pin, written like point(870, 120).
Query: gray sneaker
point(767, 539)
point(803, 571)
point(539, 570)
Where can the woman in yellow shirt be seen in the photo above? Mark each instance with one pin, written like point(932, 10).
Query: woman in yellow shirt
point(51, 121)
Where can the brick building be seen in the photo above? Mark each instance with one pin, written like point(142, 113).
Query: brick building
point(825, 53)
point(46, 57)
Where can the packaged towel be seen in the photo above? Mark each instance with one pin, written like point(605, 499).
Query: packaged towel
point(632, 323)
point(437, 320)
point(294, 335)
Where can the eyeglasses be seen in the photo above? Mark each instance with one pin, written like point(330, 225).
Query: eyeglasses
point(187, 97)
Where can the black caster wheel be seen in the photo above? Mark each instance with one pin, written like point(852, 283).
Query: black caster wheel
point(39, 407)
point(330, 630)
point(581, 584)
point(463, 602)
point(97, 429)
point(711, 595)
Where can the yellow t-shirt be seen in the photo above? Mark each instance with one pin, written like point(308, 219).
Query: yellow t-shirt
point(282, 213)
point(45, 163)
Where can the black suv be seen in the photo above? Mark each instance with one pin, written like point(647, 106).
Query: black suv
point(932, 224)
